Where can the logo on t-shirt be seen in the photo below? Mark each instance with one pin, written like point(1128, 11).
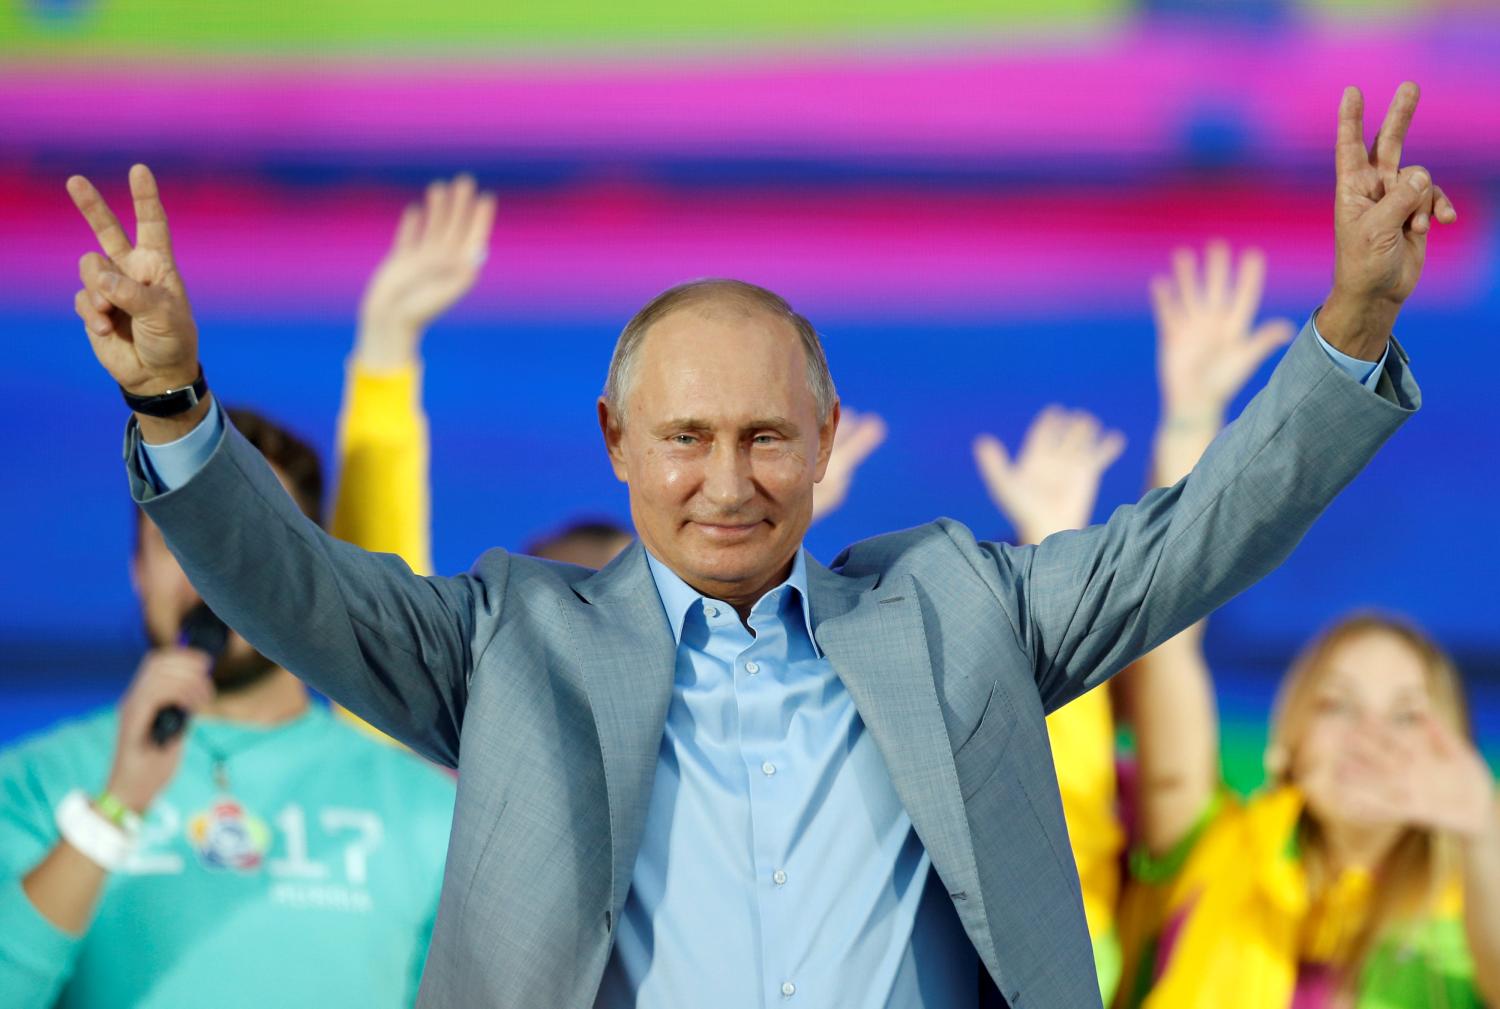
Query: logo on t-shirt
point(227, 836)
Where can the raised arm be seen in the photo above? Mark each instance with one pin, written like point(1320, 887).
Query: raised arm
point(1088, 603)
point(394, 648)
point(382, 503)
point(1208, 347)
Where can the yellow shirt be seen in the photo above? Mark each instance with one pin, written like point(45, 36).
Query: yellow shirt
point(1083, 748)
point(382, 501)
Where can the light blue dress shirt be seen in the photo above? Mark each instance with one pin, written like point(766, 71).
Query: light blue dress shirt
point(777, 867)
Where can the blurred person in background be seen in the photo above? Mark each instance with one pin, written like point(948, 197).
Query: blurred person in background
point(267, 832)
point(1208, 353)
point(1367, 873)
point(270, 854)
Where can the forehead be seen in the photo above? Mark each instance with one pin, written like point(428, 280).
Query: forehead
point(1377, 664)
point(720, 360)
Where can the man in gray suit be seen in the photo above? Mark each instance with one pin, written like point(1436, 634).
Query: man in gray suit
point(717, 773)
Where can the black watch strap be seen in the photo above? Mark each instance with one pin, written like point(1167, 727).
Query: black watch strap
point(169, 403)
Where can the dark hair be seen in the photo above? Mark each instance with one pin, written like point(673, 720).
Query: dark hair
point(295, 458)
point(592, 532)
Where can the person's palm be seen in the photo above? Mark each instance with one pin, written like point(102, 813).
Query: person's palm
point(434, 260)
point(1053, 483)
point(1208, 345)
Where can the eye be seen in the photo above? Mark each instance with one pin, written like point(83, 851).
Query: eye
point(1334, 706)
point(684, 439)
point(1407, 718)
point(765, 439)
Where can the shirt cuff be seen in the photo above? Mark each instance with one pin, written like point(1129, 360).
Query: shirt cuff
point(174, 463)
point(1366, 373)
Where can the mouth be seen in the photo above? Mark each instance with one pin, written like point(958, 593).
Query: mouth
point(726, 532)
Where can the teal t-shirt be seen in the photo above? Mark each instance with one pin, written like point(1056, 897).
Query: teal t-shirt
point(312, 879)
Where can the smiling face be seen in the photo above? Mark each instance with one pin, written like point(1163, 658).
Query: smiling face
point(1372, 691)
point(719, 440)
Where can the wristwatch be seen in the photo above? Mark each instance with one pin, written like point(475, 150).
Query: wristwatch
point(169, 403)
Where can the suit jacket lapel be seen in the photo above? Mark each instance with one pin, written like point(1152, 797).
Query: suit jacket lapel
point(875, 638)
point(624, 646)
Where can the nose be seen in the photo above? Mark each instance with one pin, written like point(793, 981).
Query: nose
point(727, 484)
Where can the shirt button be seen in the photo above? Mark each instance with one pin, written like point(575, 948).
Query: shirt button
point(788, 989)
point(768, 768)
point(711, 611)
point(752, 668)
point(779, 876)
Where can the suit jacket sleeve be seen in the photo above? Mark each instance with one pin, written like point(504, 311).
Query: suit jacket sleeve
point(391, 646)
point(1086, 603)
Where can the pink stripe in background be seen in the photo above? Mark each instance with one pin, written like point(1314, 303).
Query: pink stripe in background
point(1133, 93)
point(264, 251)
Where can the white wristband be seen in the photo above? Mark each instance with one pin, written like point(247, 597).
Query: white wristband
point(85, 829)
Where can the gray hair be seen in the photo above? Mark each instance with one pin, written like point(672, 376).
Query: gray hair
point(716, 289)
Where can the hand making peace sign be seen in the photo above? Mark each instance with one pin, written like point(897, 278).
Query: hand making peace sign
point(133, 304)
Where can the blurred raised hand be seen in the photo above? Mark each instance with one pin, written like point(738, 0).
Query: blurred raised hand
point(859, 434)
point(1053, 483)
point(1208, 345)
point(1382, 214)
point(133, 303)
point(439, 249)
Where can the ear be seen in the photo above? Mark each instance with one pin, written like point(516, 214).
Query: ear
point(826, 435)
point(610, 427)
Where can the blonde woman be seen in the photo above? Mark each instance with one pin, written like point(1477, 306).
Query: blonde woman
point(1367, 873)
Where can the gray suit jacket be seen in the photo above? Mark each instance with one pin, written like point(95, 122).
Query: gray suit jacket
point(549, 684)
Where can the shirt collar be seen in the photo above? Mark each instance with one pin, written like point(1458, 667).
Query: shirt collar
point(678, 597)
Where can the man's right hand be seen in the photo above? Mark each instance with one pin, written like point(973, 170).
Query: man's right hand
point(166, 676)
point(133, 304)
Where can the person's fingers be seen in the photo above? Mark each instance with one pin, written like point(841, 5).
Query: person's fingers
point(1216, 274)
point(1080, 433)
point(1392, 135)
point(462, 211)
point(102, 278)
point(1444, 210)
point(1043, 431)
point(481, 223)
point(439, 203)
point(1268, 337)
point(1249, 283)
point(1185, 267)
point(865, 436)
point(105, 225)
point(94, 320)
point(994, 464)
point(1350, 154)
point(150, 216)
point(1411, 193)
point(1108, 449)
point(409, 228)
point(1164, 308)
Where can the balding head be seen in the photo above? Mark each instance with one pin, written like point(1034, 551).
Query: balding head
point(719, 414)
point(711, 296)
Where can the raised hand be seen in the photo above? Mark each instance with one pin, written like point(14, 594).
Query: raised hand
point(1382, 214)
point(858, 435)
point(133, 304)
point(434, 261)
point(1428, 777)
point(1207, 342)
point(1052, 484)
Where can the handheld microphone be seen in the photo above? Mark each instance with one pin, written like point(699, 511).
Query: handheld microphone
point(202, 630)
